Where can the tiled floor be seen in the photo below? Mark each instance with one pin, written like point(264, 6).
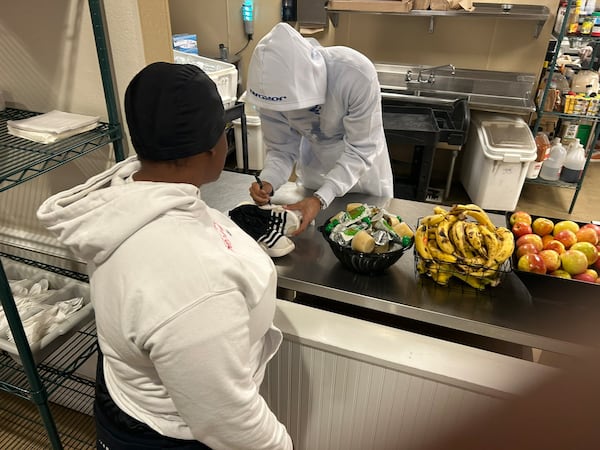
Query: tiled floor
point(20, 426)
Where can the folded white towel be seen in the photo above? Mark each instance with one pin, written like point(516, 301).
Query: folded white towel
point(51, 126)
point(53, 122)
point(48, 138)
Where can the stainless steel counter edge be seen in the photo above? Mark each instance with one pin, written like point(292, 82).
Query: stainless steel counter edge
point(444, 320)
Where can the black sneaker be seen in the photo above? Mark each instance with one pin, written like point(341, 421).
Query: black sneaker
point(269, 225)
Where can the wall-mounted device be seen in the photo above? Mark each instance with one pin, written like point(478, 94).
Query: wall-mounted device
point(248, 17)
point(288, 10)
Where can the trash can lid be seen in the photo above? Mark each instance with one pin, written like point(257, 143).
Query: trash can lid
point(508, 139)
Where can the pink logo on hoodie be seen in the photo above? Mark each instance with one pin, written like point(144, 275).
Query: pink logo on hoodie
point(224, 235)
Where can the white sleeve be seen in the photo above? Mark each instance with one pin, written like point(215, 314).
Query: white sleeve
point(282, 145)
point(363, 131)
point(202, 358)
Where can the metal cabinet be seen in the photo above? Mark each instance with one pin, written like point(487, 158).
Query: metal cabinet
point(542, 113)
point(21, 161)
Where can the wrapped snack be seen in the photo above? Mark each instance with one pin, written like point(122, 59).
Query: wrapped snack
point(369, 229)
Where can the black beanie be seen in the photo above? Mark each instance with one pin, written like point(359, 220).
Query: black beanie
point(173, 111)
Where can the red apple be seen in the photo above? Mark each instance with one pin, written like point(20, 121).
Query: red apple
point(555, 245)
point(589, 250)
point(596, 265)
point(520, 216)
point(542, 226)
point(531, 262)
point(561, 274)
point(526, 248)
point(521, 228)
point(547, 238)
point(530, 238)
point(587, 235)
point(567, 237)
point(565, 225)
point(551, 260)
point(594, 227)
point(574, 262)
point(590, 275)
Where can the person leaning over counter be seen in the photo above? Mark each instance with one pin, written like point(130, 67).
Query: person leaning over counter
point(320, 110)
point(184, 299)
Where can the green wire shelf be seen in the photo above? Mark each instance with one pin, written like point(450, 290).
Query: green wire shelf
point(21, 159)
point(56, 371)
point(557, 183)
point(48, 267)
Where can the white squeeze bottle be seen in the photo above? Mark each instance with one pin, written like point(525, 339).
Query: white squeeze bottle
point(553, 164)
point(574, 163)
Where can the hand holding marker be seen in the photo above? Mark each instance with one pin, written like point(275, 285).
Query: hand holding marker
point(260, 185)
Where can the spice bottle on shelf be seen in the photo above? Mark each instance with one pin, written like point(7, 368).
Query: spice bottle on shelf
point(560, 17)
point(586, 25)
point(573, 20)
point(590, 7)
point(574, 163)
point(543, 151)
point(552, 166)
point(543, 146)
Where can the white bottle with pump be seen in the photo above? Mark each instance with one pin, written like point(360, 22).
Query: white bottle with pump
point(553, 164)
point(574, 163)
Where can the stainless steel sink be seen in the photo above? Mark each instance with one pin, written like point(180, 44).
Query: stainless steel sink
point(485, 90)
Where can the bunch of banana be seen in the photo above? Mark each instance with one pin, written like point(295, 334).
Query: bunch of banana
point(462, 242)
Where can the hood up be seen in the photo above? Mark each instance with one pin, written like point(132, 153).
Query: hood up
point(286, 71)
point(94, 218)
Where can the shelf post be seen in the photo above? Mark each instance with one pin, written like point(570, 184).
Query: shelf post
point(98, 25)
point(590, 150)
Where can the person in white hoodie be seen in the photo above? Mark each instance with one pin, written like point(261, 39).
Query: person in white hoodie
point(320, 111)
point(184, 299)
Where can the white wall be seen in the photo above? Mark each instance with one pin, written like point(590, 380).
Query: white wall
point(49, 61)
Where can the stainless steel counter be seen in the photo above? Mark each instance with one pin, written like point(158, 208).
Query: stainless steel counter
point(507, 312)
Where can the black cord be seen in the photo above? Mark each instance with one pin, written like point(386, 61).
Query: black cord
point(244, 47)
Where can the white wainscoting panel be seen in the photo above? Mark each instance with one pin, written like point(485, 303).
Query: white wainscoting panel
point(333, 386)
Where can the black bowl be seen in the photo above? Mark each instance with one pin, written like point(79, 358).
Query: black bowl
point(363, 263)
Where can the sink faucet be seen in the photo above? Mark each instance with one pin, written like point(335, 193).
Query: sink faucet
point(431, 78)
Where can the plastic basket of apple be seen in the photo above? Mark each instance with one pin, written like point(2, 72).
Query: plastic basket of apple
point(367, 239)
point(550, 247)
point(462, 243)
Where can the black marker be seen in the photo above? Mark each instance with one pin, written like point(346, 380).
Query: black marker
point(258, 180)
point(260, 185)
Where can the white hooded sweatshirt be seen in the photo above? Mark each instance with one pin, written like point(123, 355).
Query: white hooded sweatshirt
point(320, 108)
point(184, 303)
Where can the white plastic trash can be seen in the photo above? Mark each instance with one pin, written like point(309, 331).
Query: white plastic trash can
point(496, 159)
point(256, 150)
